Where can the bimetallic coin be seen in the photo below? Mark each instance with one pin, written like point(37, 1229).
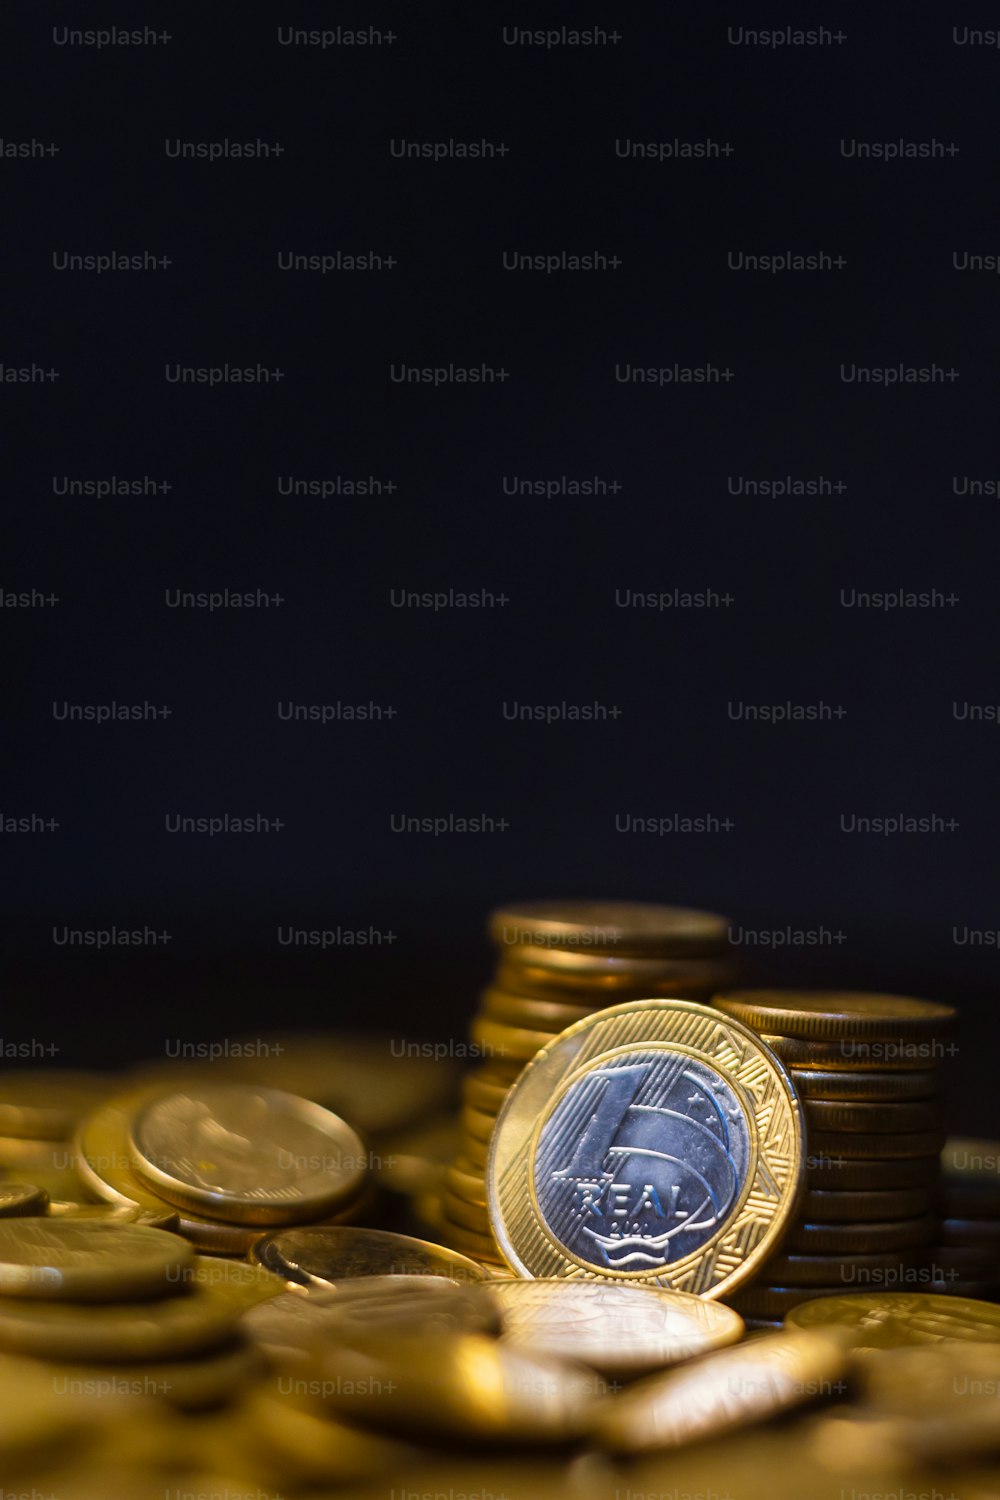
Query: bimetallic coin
point(608, 926)
point(891, 1320)
point(247, 1154)
point(831, 1169)
point(317, 1257)
point(886, 1268)
point(20, 1199)
point(168, 1328)
point(820, 1206)
point(613, 1327)
point(657, 1141)
point(900, 1116)
point(894, 1234)
point(751, 1382)
point(836, 1015)
point(88, 1260)
point(828, 1083)
point(42, 1104)
point(859, 1054)
point(852, 1144)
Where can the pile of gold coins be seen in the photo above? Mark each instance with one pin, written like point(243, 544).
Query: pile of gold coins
point(558, 963)
point(869, 1071)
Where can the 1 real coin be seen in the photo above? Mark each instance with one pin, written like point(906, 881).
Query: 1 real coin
point(616, 1328)
point(247, 1154)
point(88, 1260)
point(838, 1015)
point(657, 1141)
point(892, 1320)
point(322, 1257)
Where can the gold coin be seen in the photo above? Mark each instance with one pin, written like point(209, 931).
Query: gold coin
point(467, 1215)
point(120, 1213)
point(750, 1382)
point(891, 1320)
point(831, 1169)
point(36, 1422)
point(858, 1054)
point(42, 1104)
point(879, 1268)
point(588, 969)
point(18, 1199)
point(122, 1332)
point(238, 1284)
point(532, 1014)
point(322, 1257)
point(820, 1206)
point(611, 985)
point(838, 1015)
point(972, 1161)
point(776, 1301)
point(485, 1092)
point(851, 1144)
point(478, 1247)
point(608, 926)
point(657, 1141)
point(477, 1123)
point(443, 1386)
point(828, 1083)
point(476, 1151)
point(613, 1327)
point(87, 1260)
point(412, 1161)
point(284, 1427)
point(50, 1155)
point(465, 1182)
point(899, 1116)
point(189, 1384)
point(957, 1231)
point(894, 1234)
point(247, 1154)
point(498, 1041)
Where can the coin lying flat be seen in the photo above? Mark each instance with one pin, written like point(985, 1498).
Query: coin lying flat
point(822, 1206)
point(656, 1141)
point(875, 1268)
point(466, 1182)
point(616, 1328)
point(486, 1090)
point(760, 1301)
point(533, 1014)
point(972, 1161)
point(855, 1054)
point(168, 1328)
point(467, 1215)
point(118, 1213)
point(247, 1154)
point(751, 1382)
point(238, 1284)
point(828, 1083)
point(833, 1015)
point(899, 1116)
point(891, 1320)
point(833, 1170)
point(608, 926)
point(507, 1043)
point(21, 1199)
point(478, 1123)
point(189, 1384)
point(88, 1260)
point(285, 1428)
point(611, 980)
point(883, 1145)
point(44, 1104)
point(316, 1257)
point(893, 1234)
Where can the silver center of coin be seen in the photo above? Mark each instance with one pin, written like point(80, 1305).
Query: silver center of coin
point(641, 1161)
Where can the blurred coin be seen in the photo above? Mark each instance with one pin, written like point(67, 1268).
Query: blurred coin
point(657, 1140)
point(247, 1154)
point(879, 1267)
point(479, 1247)
point(895, 1234)
point(750, 1382)
point(412, 1161)
point(119, 1213)
point(36, 1422)
point(835, 1015)
point(828, 1083)
point(612, 983)
point(608, 926)
point(87, 1260)
point(322, 1257)
point(857, 1054)
point(971, 1232)
point(475, 1151)
point(486, 1090)
point(972, 1161)
point(239, 1284)
point(775, 1301)
point(978, 1201)
point(463, 1387)
point(18, 1199)
point(467, 1215)
point(46, 1103)
point(535, 1015)
point(507, 1042)
point(285, 1427)
point(120, 1332)
point(899, 1116)
point(823, 1206)
point(884, 1145)
point(190, 1384)
point(890, 1320)
point(616, 1328)
point(477, 1123)
point(832, 1170)
point(465, 1182)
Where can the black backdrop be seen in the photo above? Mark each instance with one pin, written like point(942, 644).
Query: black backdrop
point(897, 510)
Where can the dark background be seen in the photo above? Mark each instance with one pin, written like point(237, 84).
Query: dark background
point(673, 749)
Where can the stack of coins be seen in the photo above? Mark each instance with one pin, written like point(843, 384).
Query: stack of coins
point(231, 1160)
point(868, 1068)
point(39, 1110)
point(966, 1258)
point(559, 962)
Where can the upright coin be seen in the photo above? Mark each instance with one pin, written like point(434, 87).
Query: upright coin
point(657, 1141)
point(318, 1257)
point(88, 1260)
point(890, 1320)
point(616, 1328)
point(609, 926)
point(246, 1154)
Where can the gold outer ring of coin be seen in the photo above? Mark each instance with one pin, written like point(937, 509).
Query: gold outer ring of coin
point(833, 1206)
point(532, 1014)
point(162, 1145)
point(886, 1145)
point(834, 1171)
point(768, 1197)
point(897, 1116)
point(477, 1123)
point(850, 1239)
point(608, 926)
point(827, 1083)
point(834, 1015)
point(105, 1168)
point(887, 1320)
point(858, 1054)
point(796, 1269)
point(484, 1093)
point(465, 1181)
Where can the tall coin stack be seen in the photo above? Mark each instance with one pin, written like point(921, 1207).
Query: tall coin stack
point(558, 962)
point(869, 1071)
